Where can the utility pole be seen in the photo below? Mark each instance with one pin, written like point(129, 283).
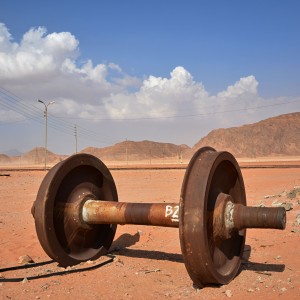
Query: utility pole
point(46, 121)
point(75, 134)
point(126, 153)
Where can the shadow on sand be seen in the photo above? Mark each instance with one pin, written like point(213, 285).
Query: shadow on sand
point(120, 247)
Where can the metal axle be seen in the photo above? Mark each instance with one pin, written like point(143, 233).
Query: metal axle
point(229, 218)
point(111, 212)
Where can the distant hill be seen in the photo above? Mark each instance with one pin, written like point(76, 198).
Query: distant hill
point(137, 151)
point(5, 159)
point(277, 136)
point(271, 137)
point(35, 156)
point(13, 152)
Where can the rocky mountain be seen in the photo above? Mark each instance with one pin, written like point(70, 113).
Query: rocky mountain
point(37, 156)
point(13, 152)
point(271, 137)
point(33, 157)
point(137, 151)
point(5, 159)
point(277, 136)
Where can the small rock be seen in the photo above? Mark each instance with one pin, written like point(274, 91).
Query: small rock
point(287, 206)
point(119, 262)
point(250, 290)
point(283, 194)
point(25, 280)
point(297, 220)
point(228, 293)
point(289, 280)
point(25, 259)
point(259, 279)
point(196, 288)
point(283, 289)
point(128, 295)
point(45, 286)
point(151, 271)
point(270, 196)
point(276, 203)
point(294, 193)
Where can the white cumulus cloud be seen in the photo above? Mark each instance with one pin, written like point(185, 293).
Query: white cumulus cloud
point(158, 96)
point(46, 56)
point(246, 85)
point(47, 66)
point(37, 53)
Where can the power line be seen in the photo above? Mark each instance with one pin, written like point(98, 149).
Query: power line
point(189, 115)
point(75, 134)
point(11, 102)
point(30, 112)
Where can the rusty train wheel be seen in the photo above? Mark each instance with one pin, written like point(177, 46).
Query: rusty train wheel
point(208, 175)
point(59, 226)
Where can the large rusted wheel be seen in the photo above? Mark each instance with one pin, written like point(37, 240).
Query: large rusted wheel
point(57, 210)
point(210, 175)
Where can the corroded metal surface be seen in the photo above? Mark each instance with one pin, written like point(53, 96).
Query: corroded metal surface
point(258, 217)
point(229, 217)
point(57, 210)
point(209, 260)
point(155, 214)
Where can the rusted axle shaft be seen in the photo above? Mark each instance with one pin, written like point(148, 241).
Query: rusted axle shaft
point(167, 215)
point(111, 212)
point(259, 217)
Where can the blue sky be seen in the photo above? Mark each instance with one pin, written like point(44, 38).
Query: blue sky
point(161, 70)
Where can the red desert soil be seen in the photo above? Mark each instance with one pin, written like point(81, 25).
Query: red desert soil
point(148, 262)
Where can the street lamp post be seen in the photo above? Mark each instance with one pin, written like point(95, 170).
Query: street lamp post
point(46, 121)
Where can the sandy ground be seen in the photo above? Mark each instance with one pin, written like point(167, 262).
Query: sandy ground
point(147, 260)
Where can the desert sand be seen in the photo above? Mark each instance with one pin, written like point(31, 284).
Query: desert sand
point(147, 261)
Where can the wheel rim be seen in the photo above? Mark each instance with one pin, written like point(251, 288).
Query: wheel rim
point(63, 235)
point(209, 174)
